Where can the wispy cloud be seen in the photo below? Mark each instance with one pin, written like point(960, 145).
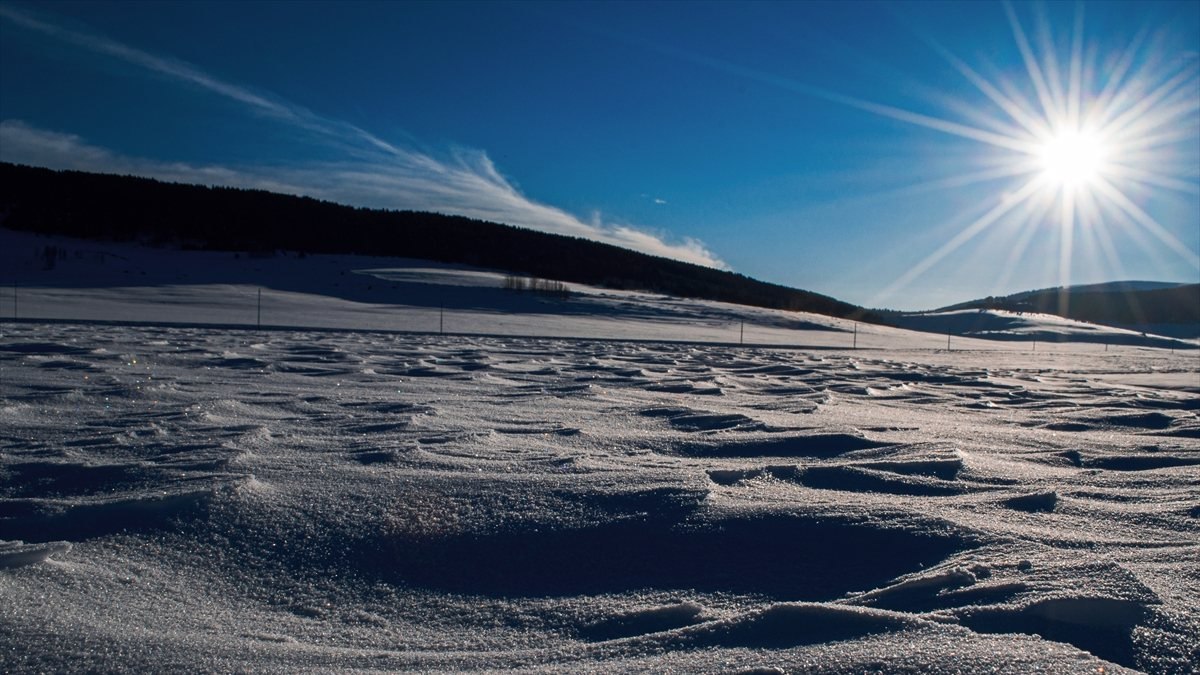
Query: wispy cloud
point(373, 171)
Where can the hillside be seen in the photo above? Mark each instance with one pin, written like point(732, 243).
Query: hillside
point(1166, 309)
point(108, 282)
point(125, 208)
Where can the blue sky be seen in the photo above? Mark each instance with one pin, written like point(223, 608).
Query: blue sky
point(888, 154)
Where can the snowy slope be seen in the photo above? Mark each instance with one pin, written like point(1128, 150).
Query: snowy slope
point(995, 324)
point(129, 283)
point(211, 498)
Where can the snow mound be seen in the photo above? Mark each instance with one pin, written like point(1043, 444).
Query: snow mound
point(20, 554)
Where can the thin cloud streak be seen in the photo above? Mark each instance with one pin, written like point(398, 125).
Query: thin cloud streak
point(376, 173)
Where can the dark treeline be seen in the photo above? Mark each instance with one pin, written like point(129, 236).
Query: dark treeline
point(126, 208)
point(1116, 307)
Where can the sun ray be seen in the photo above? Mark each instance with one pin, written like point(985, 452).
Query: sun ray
point(1075, 79)
point(1018, 113)
point(1134, 231)
point(1050, 68)
point(1144, 219)
point(1104, 102)
point(1145, 177)
point(1139, 111)
point(899, 114)
point(1095, 225)
point(1036, 211)
point(1008, 170)
point(1031, 64)
point(1154, 137)
point(1066, 238)
point(1151, 135)
point(938, 124)
point(965, 235)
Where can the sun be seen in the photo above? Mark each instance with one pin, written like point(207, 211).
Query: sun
point(1078, 146)
point(1072, 158)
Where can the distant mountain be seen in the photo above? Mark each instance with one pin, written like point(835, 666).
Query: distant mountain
point(1148, 306)
point(126, 208)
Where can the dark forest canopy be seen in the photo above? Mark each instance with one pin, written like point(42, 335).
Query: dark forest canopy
point(128, 208)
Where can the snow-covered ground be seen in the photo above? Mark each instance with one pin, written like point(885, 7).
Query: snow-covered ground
point(134, 284)
point(511, 495)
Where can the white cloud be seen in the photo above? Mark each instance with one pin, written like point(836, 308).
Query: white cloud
point(374, 173)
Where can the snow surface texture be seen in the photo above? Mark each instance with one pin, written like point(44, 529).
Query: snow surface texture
point(214, 498)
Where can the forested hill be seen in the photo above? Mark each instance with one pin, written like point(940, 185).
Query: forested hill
point(126, 208)
point(1126, 304)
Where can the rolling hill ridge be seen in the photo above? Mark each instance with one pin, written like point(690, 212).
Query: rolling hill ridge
point(1162, 308)
point(127, 208)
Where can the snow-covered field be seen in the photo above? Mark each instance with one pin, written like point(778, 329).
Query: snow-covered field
point(191, 497)
point(133, 284)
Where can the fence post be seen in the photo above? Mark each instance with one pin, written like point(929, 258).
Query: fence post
point(259, 321)
point(855, 335)
point(442, 319)
point(742, 334)
point(947, 340)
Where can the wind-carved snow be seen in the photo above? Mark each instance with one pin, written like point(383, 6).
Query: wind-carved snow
point(225, 499)
point(629, 490)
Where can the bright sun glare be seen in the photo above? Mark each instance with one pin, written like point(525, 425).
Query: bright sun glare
point(1081, 142)
point(1072, 159)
